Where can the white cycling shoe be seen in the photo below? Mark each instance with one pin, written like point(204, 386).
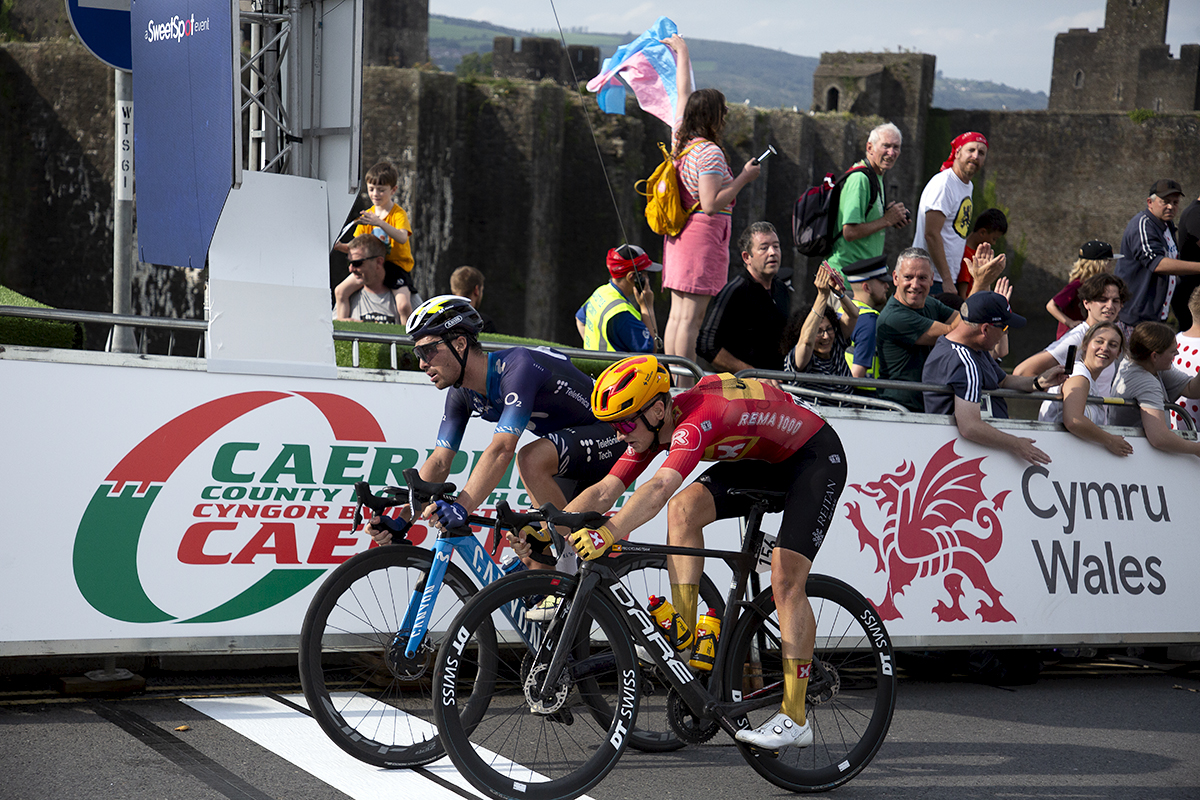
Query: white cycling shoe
point(777, 732)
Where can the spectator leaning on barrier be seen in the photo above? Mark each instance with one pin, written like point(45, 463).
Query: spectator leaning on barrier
point(1149, 377)
point(816, 337)
point(743, 326)
point(609, 321)
point(1102, 297)
point(1151, 265)
point(944, 213)
point(909, 325)
point(963, 359)
point(863, 223)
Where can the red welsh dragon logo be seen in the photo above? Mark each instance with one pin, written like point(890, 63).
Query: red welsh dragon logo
point(942, 524)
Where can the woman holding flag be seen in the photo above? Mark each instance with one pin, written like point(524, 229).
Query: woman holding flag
point(696, 262)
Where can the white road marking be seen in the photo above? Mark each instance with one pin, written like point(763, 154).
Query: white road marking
point(297, 738)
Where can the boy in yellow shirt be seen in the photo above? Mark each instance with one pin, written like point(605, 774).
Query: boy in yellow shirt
point(385, 215)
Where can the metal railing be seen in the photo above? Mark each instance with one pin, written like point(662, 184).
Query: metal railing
point(796, 383)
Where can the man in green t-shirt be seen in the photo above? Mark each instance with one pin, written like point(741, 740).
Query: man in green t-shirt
point(909, 325)
point(861, 221)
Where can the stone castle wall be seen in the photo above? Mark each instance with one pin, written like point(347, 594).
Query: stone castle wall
point(504, 175)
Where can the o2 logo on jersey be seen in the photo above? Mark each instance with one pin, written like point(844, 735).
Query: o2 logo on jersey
point(512, 399)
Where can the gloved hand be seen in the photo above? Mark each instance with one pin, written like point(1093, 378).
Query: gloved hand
point(450, 515)
point(591, 544)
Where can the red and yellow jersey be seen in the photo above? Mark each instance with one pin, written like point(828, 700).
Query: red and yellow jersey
point(724, 418)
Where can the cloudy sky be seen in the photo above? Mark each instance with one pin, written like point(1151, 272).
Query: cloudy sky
point(1010, 42)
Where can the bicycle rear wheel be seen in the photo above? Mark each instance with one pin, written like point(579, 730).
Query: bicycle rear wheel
point(851, 696)
point(549, 750)
point(370, 699)
point(645, 574)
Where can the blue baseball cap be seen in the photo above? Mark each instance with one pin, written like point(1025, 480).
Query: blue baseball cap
point(991, 307)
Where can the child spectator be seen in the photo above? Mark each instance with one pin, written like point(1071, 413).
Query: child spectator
point(1094, 257)
point(991, 225)
point(385, 219)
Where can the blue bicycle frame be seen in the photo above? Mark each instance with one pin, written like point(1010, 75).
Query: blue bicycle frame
point(486, 571)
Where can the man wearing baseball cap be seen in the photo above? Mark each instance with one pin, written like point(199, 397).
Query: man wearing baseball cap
point(1151, 266)
point(868, 285)
point(962, 359)
point(609, 321)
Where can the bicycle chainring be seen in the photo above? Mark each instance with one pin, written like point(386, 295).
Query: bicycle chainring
point(827, 685)
point(685, 724)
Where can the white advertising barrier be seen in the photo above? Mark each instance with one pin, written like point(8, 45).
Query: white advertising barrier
point(156, 510)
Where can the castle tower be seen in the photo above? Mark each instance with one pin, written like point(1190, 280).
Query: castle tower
point(1125, 65)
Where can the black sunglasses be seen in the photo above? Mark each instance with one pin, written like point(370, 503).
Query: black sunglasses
point(354, 262)
point(426, 351)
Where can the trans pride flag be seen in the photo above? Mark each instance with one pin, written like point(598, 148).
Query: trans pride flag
point(648, 66)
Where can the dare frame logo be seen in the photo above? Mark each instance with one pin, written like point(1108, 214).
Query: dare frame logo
point(938, 525)
point(110, 532)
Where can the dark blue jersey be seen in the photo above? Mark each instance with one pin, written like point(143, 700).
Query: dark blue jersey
point(535, 389)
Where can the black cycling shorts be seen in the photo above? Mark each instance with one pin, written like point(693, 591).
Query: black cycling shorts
point(585, 455)
point(394, 277)
point(812, 478)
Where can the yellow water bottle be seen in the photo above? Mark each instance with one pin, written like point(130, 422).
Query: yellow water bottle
point(708, 628)
point(672, 624)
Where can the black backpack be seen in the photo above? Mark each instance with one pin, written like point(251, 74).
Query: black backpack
point(814, 218)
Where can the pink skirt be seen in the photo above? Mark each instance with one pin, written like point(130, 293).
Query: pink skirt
point(697, 260)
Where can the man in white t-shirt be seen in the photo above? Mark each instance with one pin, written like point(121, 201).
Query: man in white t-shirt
point(944, 214)
point(1188, 359)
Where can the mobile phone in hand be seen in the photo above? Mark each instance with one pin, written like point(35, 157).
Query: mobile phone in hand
point(1070, 365)
point(639, 280)
point(770, 151)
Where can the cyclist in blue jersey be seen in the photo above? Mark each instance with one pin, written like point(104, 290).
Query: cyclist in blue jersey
point(519, 389)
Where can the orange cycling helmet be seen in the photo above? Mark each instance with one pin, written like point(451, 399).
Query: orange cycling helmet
point(628, 386)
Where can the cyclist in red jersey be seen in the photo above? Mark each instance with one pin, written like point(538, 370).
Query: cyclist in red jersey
point(760, 437)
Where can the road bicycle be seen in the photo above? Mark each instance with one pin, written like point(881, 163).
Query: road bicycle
point(373, 629)
point(519, 747)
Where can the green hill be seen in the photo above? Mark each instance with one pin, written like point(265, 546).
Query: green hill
point(766, 78)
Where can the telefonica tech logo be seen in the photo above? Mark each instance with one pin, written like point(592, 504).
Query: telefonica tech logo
point(106, 544)
point(175, 29)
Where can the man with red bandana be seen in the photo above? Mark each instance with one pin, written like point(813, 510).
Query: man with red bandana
point(945, 210)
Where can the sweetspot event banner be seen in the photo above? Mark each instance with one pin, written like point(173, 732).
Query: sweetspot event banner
point(176, 510)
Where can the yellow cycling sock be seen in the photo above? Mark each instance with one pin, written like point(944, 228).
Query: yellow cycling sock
point(684, 597)
point(795, 684)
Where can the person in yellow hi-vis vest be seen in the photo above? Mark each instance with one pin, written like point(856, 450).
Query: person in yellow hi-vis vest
point(610, 321)
point(868, 283)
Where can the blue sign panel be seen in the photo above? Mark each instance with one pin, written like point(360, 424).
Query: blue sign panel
point(103, 27)
point(183, 89)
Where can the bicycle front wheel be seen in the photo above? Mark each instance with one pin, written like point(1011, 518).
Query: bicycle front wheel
point(645, 574)
point(372, 700)
point(851, 695)
point(525, 746)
